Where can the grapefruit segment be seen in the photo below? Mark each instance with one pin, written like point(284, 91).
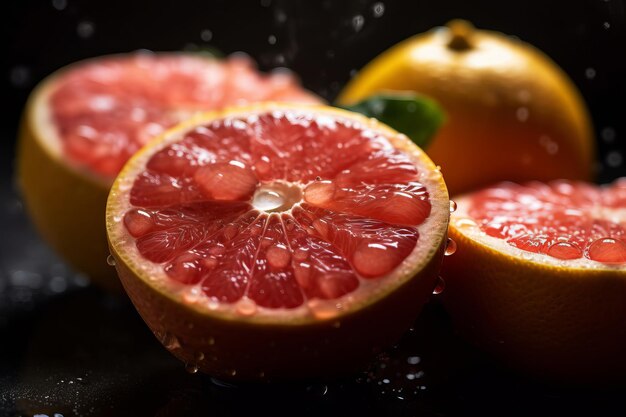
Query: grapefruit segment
point(257, 236)
point(539, 277)
point(83, 123)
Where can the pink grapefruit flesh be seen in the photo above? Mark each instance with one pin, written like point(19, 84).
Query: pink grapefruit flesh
point(104, 110)
point(562, 219)
point(277, 209)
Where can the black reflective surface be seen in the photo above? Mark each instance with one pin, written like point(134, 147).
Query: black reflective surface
point(67, 349)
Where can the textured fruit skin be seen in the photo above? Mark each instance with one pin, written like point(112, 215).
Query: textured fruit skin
point(284, 348)
point(565, 325)
point(507, 104)
point(255, 351)
point(67, 207)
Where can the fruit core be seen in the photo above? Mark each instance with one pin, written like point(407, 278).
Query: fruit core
point(277, 209)
point(564, 220)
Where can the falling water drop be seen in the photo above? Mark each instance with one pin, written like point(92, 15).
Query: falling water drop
point(441, 285)
point(110, 260)
point(450, 247)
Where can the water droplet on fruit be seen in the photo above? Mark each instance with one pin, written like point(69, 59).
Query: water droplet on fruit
point(246, 306)
point(192, 368)
point(170, 341)
point(450, 247)
point(441, 285)
point(278, 256)
point(192, 295)
point(466, 223)
point(607, 250)
point(564, 250)
point(110, 260)
point(213, 303)
point(319, 192)
point(322, 309)
point(453, 206)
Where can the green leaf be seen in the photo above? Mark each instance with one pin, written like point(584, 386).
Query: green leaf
point(415, 115)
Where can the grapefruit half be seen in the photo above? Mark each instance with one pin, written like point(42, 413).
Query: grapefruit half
point(82, 124)
point(278, 241)
point(539, 277)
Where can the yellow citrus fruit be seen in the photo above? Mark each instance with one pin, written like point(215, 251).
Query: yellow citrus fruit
point(278, 241)
point(539, 277)
point(512, 113)
point(82, 123)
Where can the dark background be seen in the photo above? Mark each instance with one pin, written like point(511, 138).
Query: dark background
point(67, 348)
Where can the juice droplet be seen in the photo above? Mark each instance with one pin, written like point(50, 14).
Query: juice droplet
point(246, 307)
point(278, 256)
point(441, 285)
point(465, 223)
point(322, 309)
point(319, 192)
point(607, 250)
point(213, 303)
point(110, 260)
point(564, 250)
point(170, 341)
point(192, 368)
point(450, 247)
point(453, 206)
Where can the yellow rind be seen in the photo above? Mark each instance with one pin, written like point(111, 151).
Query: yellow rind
point(65, 204)
point(280, 346)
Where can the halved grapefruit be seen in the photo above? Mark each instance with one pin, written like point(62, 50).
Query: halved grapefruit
point(278, 241)
point(82, 123)
point(539, 277)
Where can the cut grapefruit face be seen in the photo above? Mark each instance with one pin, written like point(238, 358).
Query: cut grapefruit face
point(83, 123)
point(539, 277)
point(104, 110)
point(278, 216)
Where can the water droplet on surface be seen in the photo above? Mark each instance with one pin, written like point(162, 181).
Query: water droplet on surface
point(110, 260)
point(564, 250)
point(206, 35)
point(20, 76)
point(378, 9)
point(357, 22)
point(192, 368)
point(614, 159)
point(608, 134)
point(59, 4)
point(453, 206)
point(441, 285)
point(213, 303)
point(278, 256)
point(522, 114)
point(85, 29)
point(450, 247)
point(413, 360)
